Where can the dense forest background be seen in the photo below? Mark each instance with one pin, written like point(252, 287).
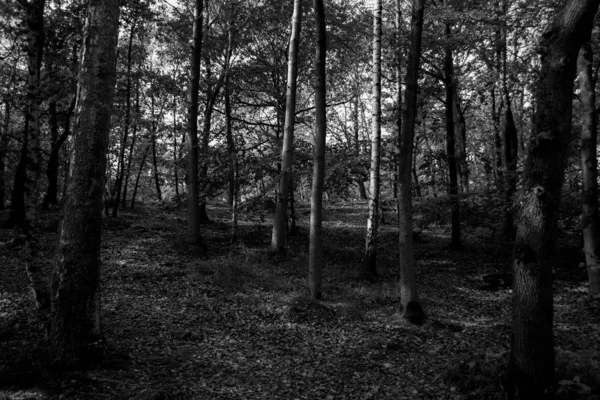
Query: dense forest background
point(394, 182)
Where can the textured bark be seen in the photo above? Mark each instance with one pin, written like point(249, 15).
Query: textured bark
point(193, 192)
point(411, 306)
point(460, 140)
point(75, 318)
point(287, 151)
point(531, 367)
point(374, 176)
point(449, 83)
point(38, 281)
point(315, 257)
point(589, 168)
point(398, 112)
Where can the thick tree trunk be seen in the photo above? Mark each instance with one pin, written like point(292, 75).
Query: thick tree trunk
point(460, 136)
point(35, 43)
point(193, 190)
point(455, 241)
point(531, 368)
point(411, 306)
point(373, 218)
point(75, 317)
point(287, 151)
point(589, 167)
point(315, 257)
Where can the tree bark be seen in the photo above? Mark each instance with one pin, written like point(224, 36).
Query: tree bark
point(589, 168)
point(411, 305)
point(75, 317)
point(287, 151)
point(34, 21)
point(531, 367)
point(4, 141)
point(193, 195)
point(374, 177)
point(315, 257)
point(455, 241)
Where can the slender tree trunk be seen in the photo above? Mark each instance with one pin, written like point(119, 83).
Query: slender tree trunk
point(16, 216)
point(34, 21)
point(589, 167)
point(4, 141)
point(315, 257)
point(139, 174)
point(155, 166)
point(121, 166)
point(374, 178)
point(411, 305)
point(193, 192)
point(362, 193)
point(398, 111)
point(132, 146)
point(460, 136)
point(75, 317)
point(531, 368)
point(175, 173)
point(287, 151)
point(51, 197)
point(455, 241)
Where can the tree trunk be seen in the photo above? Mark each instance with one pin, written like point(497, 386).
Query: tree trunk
point(455, 241)
point(121, 166)
point(75, 317)
point(132, 146)
point(51, 197)
point(460, 136)
point(315, 257)
point(412, 310)
point(35, 44)
point(362, 193)
point(589, 168)
point(16, 216)
point(193, 200)
point(175, 173)
point(137, 178)
point(374, 178)
point(531, 368)
point(155, 166)
point(398, 112)
point(4, 141)
point(287, 152)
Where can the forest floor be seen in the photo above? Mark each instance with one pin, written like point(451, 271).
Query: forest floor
point(229, 323)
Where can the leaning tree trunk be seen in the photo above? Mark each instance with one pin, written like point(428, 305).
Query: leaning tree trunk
point(589, 168)
point(193, 195)
point(531, 367)
point(287, 151)
point(75, 317)
point(35, 43)
point(412, 310)
point(315, 257)
point(374, 178)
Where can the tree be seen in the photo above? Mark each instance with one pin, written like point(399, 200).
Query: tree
point(372, 221)
point(531, 366)
point(75, 314)
point(411, 306)
point(589, 168)
point(34, 21)
point(287, 151)
point(193, 195)
point(315, 258)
